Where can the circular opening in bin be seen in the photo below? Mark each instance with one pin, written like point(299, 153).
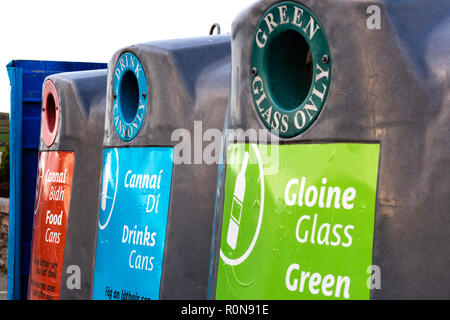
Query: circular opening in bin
point(291, 66)
point(50, 113)
point(128, 96)
point(50, 109)
point(289, 69)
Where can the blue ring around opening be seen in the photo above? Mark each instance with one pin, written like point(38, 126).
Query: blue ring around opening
point(127, 127)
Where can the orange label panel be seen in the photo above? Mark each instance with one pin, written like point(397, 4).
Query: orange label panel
point(51, 211)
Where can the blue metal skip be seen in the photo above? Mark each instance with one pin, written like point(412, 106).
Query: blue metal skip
point(26, 78)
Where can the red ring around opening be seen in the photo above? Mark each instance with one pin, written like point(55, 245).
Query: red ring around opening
point(50, 113)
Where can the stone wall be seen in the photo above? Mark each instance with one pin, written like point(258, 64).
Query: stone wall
point(4, 223)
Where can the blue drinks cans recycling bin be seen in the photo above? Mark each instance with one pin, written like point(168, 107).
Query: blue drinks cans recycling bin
point(156, 212)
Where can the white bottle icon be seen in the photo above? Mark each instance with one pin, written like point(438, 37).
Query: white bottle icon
point(236, 207)
point(106, 176)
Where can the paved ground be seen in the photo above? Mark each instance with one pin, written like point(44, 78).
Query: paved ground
point(2, 286)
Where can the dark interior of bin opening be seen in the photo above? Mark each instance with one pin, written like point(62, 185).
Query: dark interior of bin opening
point(289, 69)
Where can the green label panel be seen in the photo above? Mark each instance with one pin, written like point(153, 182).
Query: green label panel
point(298, 221)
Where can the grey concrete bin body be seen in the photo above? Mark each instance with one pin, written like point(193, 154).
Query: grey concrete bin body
point(155, 90)
point(383, 88)
point(66, 206)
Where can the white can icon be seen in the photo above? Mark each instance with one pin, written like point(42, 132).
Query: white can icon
point(106, 177)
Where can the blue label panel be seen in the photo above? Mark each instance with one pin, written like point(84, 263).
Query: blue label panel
point(134, 203)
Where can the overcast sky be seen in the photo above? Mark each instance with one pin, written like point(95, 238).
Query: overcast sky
point(91, 31)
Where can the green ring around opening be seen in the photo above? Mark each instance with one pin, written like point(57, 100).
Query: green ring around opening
point(281, 64)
